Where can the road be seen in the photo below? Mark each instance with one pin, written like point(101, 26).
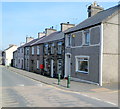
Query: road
point(20, 91)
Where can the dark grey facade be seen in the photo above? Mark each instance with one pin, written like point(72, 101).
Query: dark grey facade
point(78, 50)
point(90, 46)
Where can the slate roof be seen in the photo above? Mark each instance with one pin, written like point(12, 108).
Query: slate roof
point(96, 19)
point(29, 43)
point(52, 37)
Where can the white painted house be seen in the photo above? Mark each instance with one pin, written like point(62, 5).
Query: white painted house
point(8, 54)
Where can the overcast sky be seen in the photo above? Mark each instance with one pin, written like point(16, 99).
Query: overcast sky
point(28, 18)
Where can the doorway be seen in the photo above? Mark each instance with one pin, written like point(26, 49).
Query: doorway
point(67, 64)
point(52, 69)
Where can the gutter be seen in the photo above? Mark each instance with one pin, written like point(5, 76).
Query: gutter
point(82, 28)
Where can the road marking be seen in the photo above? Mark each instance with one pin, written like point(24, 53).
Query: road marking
point(70, 91)
point(39, 85)
point(84, 95)
point(21, 85)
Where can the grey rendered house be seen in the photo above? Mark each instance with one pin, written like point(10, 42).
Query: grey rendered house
point(36, 55)
point(91, 50)
point(27, 53)
point(37, 52)
point(15, 59)
point(21, 53)
point(54, 51)
point(20, 57)
point(51, 55)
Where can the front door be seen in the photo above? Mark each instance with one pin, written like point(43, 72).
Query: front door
point(67, 65)
point(52, 68)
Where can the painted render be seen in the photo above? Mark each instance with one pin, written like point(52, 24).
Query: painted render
point(8, 54)
point(92, 51)
point(110, 50)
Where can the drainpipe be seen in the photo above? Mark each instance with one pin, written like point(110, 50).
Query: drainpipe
point(101, 56)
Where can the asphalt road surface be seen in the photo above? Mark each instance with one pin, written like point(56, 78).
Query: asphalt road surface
point(20, 91)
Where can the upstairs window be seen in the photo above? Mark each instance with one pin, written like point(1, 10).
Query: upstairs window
point(38, 50)
point(86, 39)
point(27, 51)
point(68, 40)
point(59, 47)
point(46, 48)
point(22, 50)
point(32, 50)
point(52, 48)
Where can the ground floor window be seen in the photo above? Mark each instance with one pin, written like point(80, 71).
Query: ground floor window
point(82, 64)
point(37, 64)
point(45, 65)
point(59, 66)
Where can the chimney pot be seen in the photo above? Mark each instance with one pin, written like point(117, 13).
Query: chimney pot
point(94, 9)
point(65, 26)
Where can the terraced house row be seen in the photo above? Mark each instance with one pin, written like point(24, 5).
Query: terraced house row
point(87, 52)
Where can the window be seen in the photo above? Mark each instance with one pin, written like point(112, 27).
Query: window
point(59, 47)
point(19, 60)
point(37, 64)
point(45, 65)
point(27, 51)
point(82, 64)
point(59, 66)
point(32, 50)
point(68, 40)
point(46, 48)
point(22, 50)
point(27, 63)
point(52, 48)
point(38, 50)
point(86, 38)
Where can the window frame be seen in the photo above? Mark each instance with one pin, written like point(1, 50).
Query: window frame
point(38, 50)
point(52, 50)
point(33, 50)
point(37, 64)
point(80, 58)
point(59, 47)
point(46, 46)
point(68, 40)
point(86, 40)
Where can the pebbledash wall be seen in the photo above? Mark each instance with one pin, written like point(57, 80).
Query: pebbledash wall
point(110, 49)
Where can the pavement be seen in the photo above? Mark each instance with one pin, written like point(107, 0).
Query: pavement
point(107, 92)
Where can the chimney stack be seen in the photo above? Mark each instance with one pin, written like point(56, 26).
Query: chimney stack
point(28, 39)
point(41, 34)
point(94, 9)
point(65, 26)
point(48, 31)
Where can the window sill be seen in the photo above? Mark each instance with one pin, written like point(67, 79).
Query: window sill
point(86, 44)
point(82, 72)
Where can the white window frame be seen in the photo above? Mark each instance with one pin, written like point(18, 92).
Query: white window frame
point(59, 51)
point(38, 50)
point(46, 49)
point(52, 51)
point(45, 65)
point(68, 42)
point(81, 58)
point(32, 50)
point(58, 62)
point(37, 64)
point(85, 32)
